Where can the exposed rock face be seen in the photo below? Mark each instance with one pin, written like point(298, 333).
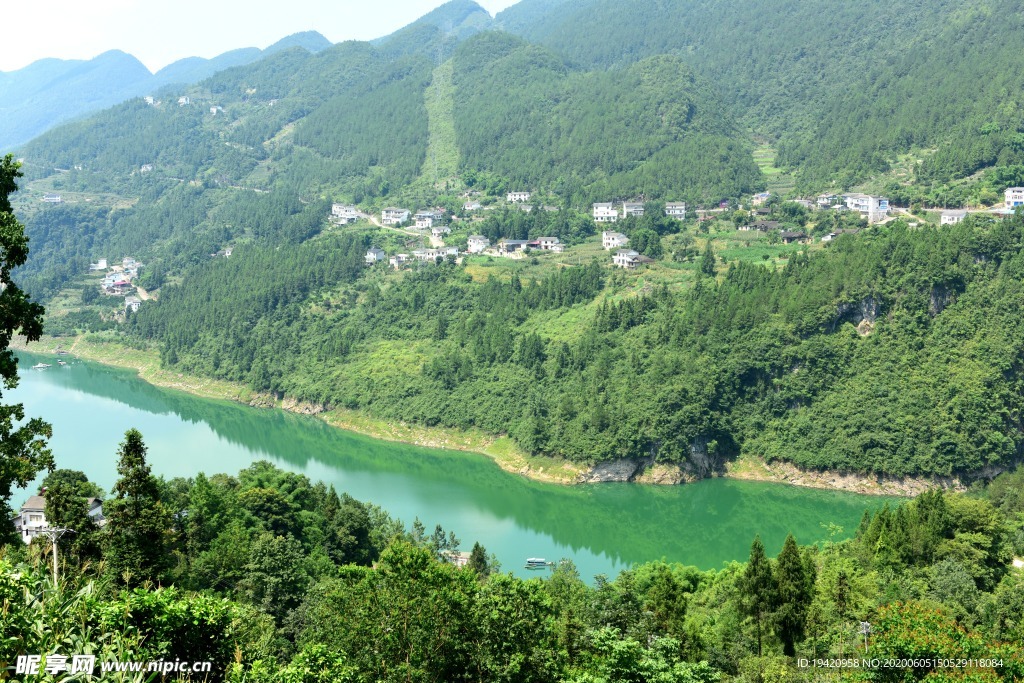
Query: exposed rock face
point(294, 406)
point(864, 311)
point(614, 470)
point(940, 299)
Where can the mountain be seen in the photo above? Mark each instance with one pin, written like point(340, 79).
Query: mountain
point(843, 89)
point(786, 353)
point(50, 91)
point(457, 19)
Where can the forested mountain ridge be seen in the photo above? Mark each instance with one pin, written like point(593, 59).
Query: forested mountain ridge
point(844, 87)
point(50, 91)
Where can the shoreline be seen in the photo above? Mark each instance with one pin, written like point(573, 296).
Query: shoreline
point(501, 449)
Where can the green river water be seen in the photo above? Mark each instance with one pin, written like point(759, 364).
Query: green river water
point(602, 528)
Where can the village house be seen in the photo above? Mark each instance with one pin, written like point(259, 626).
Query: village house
point(431, 255)
point(184, 101)
point(952, 217)
point(509, 247)
point(873, 208)
point(145, 168)
point(424, 222)
point(472, 206)
point(605, 213)
point(148, 99)
point(399, 260)
point(613, 240)
point(632, 209)
point(344, 213)
point(760, 198)
point(806, 203)
point(826, 201)
point(440, 230)
point(393, 216)
point(676, 210)
point(628, 259)
point(760, 226)
point(51, 198)
point(518, 197)
point(132, 303)
point(477, 243)
point(1014, 197)
point(215, 109)
point(789, 237)
point(549, 244)
point(375, 255)
point(101, 264)
point(31, 520)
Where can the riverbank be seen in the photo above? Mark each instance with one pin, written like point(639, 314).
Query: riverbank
point(106, 349)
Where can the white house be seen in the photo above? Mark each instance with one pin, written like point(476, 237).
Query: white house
point(1014, 197)
point(549, 243)
point(132, 303)
point(826, 200)
point(51, 198)
point(477, 243)
point(184, 101)
point(398, 260)
point(424, 222)
point(626, 258)
point(439, 230)
point(951, 217)
point(149, 100)
point(344, 213)
point(32, 520)
point(676, 210)
point(873, 208)
point(99, 265)
point(632, 209)
point(518, 196)
point(375, 255)
point(471, 206)
point(613, 240)
point(215, 109)
point(760, 198)
point(393, 216)
point(605, 213)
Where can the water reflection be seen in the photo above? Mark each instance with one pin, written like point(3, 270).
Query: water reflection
point(602, 527)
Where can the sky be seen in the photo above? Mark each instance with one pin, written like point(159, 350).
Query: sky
point(159, 32)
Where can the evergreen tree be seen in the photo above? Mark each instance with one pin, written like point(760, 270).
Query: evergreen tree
point(66, 508)
point(758, 590)
point(794, 593)
point(707, 261)
point(23, 451)
point(137, 522)
point(478, 561)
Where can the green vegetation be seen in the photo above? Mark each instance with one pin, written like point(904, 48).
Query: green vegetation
point(277, 578)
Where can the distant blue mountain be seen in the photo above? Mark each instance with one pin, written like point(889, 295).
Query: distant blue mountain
point(52, 91)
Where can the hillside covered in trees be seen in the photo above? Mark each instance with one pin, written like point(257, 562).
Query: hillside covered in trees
point(892, 352)
point(268, 576)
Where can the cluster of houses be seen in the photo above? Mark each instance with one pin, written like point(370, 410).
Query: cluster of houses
point(31, 520)
point(622, 258)
point(118, 281)
point(376, 255)
point(607, 212)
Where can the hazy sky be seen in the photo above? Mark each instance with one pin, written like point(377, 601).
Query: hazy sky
point(159, 32)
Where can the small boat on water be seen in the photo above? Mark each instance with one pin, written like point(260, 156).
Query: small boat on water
point(40, 366)
point(537, 563)
point(61, 352)
point(60, 362)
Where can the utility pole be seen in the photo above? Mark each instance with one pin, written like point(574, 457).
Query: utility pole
point(55, 534)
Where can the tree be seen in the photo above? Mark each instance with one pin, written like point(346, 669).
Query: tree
point(478, 561)
point(23, 451)
point(67, 508)
point(794, 593)
point(137, 522)
point(758, 590)
point(707, 261)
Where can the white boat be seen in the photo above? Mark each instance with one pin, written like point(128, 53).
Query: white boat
point(60, 362)
point(40, 366)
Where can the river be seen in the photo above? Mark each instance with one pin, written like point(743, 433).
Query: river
point(602, 528)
